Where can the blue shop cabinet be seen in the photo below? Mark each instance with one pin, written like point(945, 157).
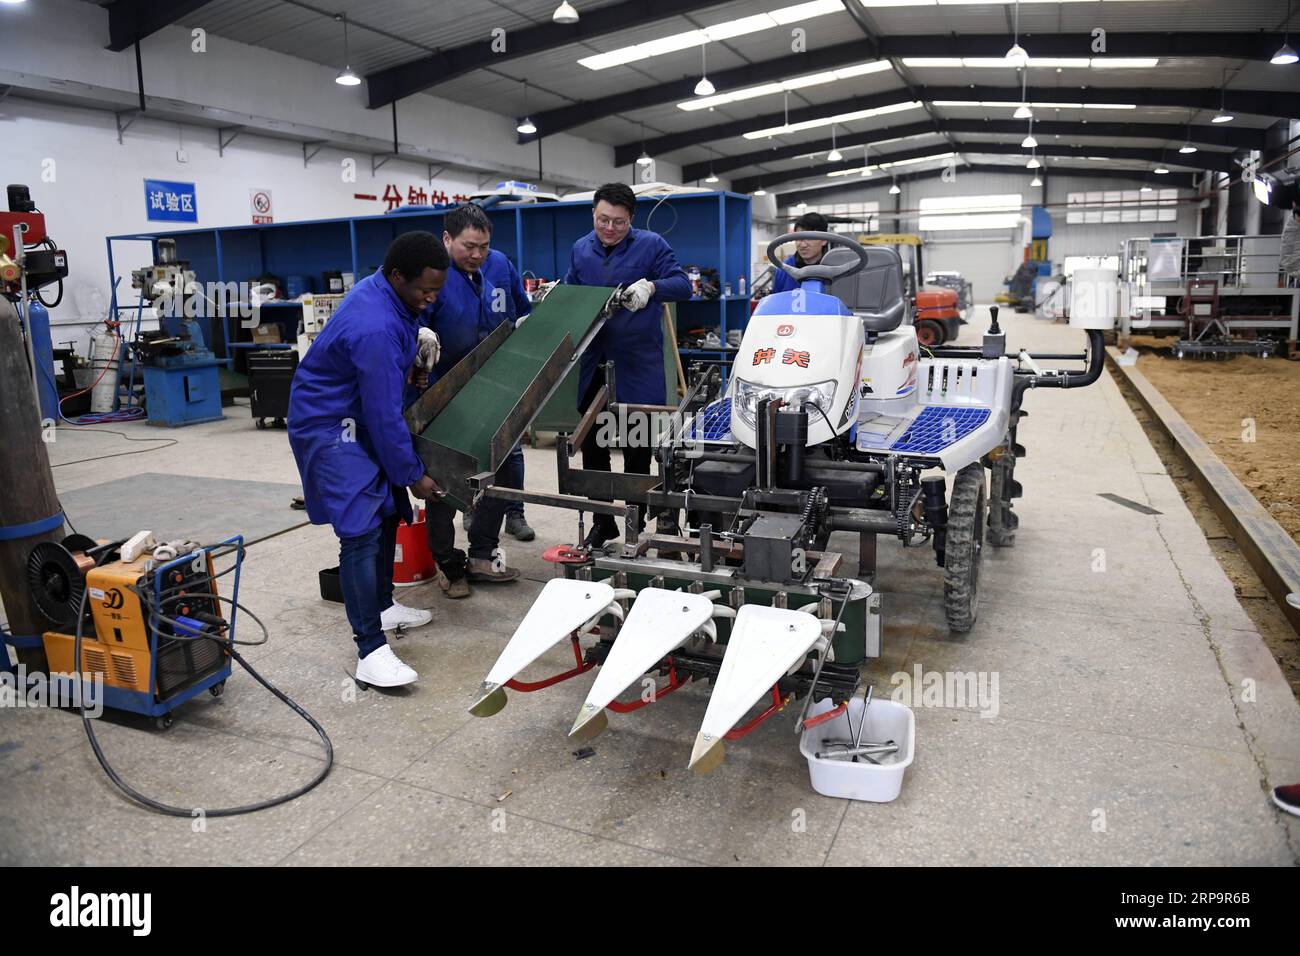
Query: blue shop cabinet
point(708, 230)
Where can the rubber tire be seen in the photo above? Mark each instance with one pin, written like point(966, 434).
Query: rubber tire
point(964, 547)
point(929, 333)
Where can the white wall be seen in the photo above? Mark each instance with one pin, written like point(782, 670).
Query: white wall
point(93, 186)
point(90, 187)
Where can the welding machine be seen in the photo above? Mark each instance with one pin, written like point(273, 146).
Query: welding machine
point(152, 630)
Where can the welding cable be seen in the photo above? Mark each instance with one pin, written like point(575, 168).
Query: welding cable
point(189, 812)
point(165, 443)
point(266, 634)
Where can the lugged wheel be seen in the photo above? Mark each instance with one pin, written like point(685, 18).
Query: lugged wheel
point(964, 547)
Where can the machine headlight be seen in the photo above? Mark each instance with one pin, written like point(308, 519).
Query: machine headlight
point(748, 395)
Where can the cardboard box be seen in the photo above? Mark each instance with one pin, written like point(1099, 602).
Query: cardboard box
point(267, 334)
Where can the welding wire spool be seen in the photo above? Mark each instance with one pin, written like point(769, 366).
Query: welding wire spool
point(57, 581)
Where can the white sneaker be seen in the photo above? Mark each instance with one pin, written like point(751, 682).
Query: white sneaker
point(382, 668)
point(399, 615)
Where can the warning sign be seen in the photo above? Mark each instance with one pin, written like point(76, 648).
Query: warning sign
point(260, 201)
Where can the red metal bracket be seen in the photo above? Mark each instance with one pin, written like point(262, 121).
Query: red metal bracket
point(530, 686)
point(776, 705)
point(673, 683)
point(829, 715)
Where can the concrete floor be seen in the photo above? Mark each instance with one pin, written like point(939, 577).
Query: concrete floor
point(1141, 719)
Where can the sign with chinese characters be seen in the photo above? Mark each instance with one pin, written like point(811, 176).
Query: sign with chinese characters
point(416, 196)
point(170, 202)
point(260, 202)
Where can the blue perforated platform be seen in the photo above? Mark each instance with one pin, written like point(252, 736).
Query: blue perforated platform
point(713, 423)
point(937, 427)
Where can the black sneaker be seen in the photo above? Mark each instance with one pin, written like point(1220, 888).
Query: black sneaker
point(598, 535)
point(518, 528)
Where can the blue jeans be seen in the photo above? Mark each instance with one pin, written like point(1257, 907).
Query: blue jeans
point(484, 527)
point(366, 577)
point(517, 507)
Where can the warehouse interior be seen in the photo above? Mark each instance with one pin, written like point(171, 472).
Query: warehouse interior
point(964, 530)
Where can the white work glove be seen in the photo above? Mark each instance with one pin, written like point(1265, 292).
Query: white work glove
point(638, 295)
point(430, 348)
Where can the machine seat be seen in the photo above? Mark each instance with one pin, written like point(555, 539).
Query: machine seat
point(876, 294)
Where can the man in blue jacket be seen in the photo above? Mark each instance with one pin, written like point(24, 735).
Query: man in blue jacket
point(633, 339)
point(483, 290)
point(807, 252)
point(352, 446)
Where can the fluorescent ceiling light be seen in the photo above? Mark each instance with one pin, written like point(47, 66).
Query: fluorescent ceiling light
point(1013, 104)
point(828, 120)
point(795, 83)
point(887, 165)
point(1075, 63)
point(721, 31)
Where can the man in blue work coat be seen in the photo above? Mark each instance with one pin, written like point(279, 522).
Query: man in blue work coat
point(352, 446)
point(483, 290)
point(807, 252)
point(614, 253)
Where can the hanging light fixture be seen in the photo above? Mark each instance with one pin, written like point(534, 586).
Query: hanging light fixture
point(526, 124)
point(1223, 115)
point(894, 190)
point(712, 177)
point(1285, 54)
point(1036, 181)
point(644, 159)
point(1033, 162)
point(1161, 170)
point(760, 191)
point(565, 13)
point(347, 77)
point(866, 166)
point(1023, 111)
point(1187, 146)
point(834, 156)
point(1017, 56)
point(704, 87)
point(1029, 142)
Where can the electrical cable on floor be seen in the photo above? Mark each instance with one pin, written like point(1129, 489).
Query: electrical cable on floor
point(166, 442)
point(188, 812)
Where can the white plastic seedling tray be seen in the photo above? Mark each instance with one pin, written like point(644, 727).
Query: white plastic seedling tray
point(877, 783)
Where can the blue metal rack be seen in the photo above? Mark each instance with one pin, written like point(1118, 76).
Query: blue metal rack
point(710, 230)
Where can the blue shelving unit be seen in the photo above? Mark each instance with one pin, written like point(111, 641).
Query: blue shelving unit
point(709, 230)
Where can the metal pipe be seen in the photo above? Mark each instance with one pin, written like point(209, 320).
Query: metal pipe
point(862, 520)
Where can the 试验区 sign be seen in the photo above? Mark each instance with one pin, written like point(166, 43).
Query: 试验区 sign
point(170, 202)
point(260, 202)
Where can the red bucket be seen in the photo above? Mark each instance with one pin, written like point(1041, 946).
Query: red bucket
point(413, 563)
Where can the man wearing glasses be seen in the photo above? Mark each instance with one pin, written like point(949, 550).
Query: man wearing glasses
point(614, 253)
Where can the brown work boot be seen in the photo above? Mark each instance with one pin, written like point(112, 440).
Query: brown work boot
point(456, 589)
point(481, 572)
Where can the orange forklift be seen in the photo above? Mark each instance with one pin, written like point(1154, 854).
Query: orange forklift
point(938, 318)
